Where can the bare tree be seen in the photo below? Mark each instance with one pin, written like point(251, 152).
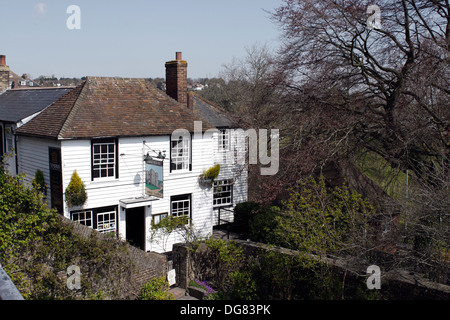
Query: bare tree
point(378, 83)
point(388, 81)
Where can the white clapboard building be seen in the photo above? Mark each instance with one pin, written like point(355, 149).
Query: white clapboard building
point(140, 153)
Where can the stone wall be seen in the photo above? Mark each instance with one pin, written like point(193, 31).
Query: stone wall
point(396, 284)
point(149, 265)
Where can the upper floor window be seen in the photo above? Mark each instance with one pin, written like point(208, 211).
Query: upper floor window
point(224, 140)
point(180, 153)
point(9, 137)
point(104, 159)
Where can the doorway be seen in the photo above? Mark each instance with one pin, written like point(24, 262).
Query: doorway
point(135, 227)
point(56, 187)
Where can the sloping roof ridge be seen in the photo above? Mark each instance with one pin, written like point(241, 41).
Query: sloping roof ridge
point(41, 88)
point(112, 78)
point(227, 113)
point(209, 102)
point(80, 88)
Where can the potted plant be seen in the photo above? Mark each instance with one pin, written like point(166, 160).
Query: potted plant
point(207, 177)
point(76, 192)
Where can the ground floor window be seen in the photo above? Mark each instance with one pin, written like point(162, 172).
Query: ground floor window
point(181, 205)
point(223, 192)
point(101, 219)
point(157, 218)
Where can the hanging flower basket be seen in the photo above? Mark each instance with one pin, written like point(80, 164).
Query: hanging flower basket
point(208, 176)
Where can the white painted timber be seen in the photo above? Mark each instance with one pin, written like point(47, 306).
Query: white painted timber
point(130, 184)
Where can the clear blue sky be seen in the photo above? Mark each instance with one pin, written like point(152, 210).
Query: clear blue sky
point(131, 38)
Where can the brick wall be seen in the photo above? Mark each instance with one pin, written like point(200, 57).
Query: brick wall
point(4, 78)
point(176, 80)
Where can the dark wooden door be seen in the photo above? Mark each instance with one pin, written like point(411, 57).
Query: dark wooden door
point(56, 188)
point(135, 227)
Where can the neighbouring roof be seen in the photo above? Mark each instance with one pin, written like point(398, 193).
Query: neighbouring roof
point(210, 112)
point(16, 105)
point(112, 107)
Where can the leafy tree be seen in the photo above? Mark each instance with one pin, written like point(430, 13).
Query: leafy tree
point(320, 220)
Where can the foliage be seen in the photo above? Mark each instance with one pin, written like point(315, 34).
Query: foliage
point(39, 182)
point(245, 211)
point(323, 220)
point(208, 290)
point(223, 257)
point(36, 248)
point(160, 232)
point(211, 174)
point(76, 191)
point(156, 289)
point(242, 286)
point(263, 224)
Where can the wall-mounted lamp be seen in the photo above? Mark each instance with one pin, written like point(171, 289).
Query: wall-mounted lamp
point(160, 156)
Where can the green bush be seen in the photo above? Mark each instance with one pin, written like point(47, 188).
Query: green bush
point(244, 213)
point(242, 286)
point(36, 246)
point(39, 182)
point(76, 192)
point(262, 225)
point(156, 289)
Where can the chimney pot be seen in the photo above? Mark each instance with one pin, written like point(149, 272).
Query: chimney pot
point(176, 79)
point(2, 60)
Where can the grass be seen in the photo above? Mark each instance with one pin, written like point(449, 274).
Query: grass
point(391, 180)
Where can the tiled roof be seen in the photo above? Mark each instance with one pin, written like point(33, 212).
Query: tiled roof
point(16, 105)
point(112, 107)
point(210, 112)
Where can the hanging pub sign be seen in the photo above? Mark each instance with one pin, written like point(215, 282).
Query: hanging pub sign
point(154, 178)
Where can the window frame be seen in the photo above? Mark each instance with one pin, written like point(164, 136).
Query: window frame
point(187, 163)
point(159, 217)
point(94, 218)
point(9, 139)
point(228, 183)
point(224, 140)
point(179, 199)
point(115, 164)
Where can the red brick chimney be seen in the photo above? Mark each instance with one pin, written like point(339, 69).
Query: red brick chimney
point(4, 74)
point(176, 79)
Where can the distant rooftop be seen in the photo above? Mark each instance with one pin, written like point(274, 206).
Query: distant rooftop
point(20, 103)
